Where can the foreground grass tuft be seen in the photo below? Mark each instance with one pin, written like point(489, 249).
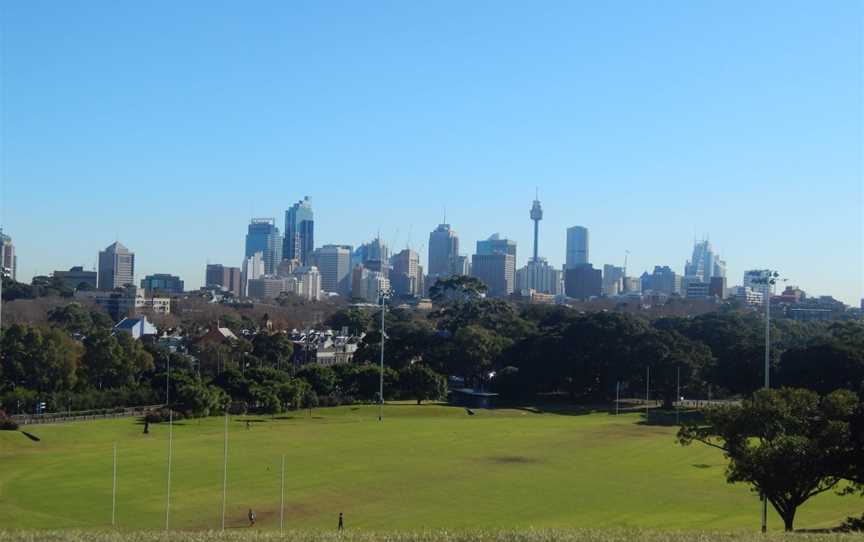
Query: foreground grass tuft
point(530, 535)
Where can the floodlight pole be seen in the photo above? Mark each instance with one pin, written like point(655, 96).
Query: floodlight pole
point(225, 472)
point(617, 394)
point(647, 388)
point(678, 396)
point(114, 490)
point(282, 497)
point(769, 278)
point(170, 440)
point(384, 294)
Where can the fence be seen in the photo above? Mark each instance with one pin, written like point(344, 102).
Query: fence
point(86, 415)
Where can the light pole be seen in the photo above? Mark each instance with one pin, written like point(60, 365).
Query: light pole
point(384, 295)
point(170, 438)
point(769, 279)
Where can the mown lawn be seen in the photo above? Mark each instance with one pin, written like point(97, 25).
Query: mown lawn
point(426, 467)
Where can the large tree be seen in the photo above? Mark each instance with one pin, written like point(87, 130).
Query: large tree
point(788, 444)
point(823, 366)
point(421, 383)
point(43, 359)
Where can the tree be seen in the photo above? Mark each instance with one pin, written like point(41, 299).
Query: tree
point(456, 287)
point(73, 318)
point(668, 353)
point(274, 349)
point(823, 367)
point(322, 379)
point(356, 320)
point(105, 364)
point(788, 444)
point(41, 359)
point(422, 383)
point(477, 348)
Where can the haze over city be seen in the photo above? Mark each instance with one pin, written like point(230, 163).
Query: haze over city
point(169, 128)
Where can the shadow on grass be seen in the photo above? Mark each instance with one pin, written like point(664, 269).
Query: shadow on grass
point(669, 418)
point(31, 436)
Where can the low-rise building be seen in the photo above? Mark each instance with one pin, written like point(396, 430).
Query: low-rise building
point(136, 327)
point(126, 301)
point(77, 277)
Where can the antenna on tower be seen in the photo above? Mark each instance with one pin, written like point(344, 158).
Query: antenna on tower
point(408, 240)
point(445, 215)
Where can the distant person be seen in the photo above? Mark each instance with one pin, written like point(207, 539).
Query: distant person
point(248, 424)
point(341, 522)
point(146, 427)
point(251, 518)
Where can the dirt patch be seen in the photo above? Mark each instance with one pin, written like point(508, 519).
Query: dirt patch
point(513, 459)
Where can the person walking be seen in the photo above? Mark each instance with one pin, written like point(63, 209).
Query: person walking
point(251, 518)
point(341, 522)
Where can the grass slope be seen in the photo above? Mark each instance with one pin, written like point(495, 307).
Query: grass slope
point(425, 467)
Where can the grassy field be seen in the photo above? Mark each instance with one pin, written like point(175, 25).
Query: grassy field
point(426, 467)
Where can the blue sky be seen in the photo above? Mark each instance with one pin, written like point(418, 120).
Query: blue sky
point(167, 125)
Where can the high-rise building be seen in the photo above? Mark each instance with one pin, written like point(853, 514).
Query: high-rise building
point(497, 271)
point(443, 249)
point(77, 277)
point(406, 275)
point(664, 280)
point(263, 236)
point(613, 280)
point(753, 279)
point(496, 244)
point(162, 282)
point(539, 276)
point(309, 280)
point(8, 259)
point(253, 268)
point(583, 282)
point(116, 267)
point(299, 232)
point(704, 263)
point(333, 262)
point(632, 284)
point(577, 247)
point(373, 255)
point(717, 287)
point(226, 278)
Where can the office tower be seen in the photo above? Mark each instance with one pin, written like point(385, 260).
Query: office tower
point(495, 244)
point(286, 268)
point(77, 278)
point(583, 282)
point(577, 247)
point(645, 281)
point(717, 287)
point(373, 255)
point(309, 280)
point(536, 216)
point(162, 282)
point(263, 236)
point(697, 289)
point(704, 264)
point(539, 276)
point(753, 278)
point(443, 248)
point(116, 267)
point(405, 277)
point(497, 271)
point(613, 280)
point(8, 259)
point(299, 232)
point(333, 262)
point(460, 265)
point(253, 268)
point(226, 278)
point(665, 280)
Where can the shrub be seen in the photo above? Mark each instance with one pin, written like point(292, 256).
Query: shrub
point(7, 423)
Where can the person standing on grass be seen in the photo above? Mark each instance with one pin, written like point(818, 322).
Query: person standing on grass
point(341, 522)
point(251, 518)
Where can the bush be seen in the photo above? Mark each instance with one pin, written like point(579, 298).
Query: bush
point(7, 423)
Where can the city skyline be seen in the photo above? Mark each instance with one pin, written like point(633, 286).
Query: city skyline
point(653, 136)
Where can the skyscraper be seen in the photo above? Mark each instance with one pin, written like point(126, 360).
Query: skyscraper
point(583, 281)
point(8, 260)
point(613, 280)
point(497, 271)
point(539, 276)
point(227, 278)
point(373, 255)
point(577, 247)
point(405, 277)
point(704, 264)
point(263, 236)
point(253, 268)
point(299, 232)
point(496, 244)
point(116, 267)
point(333, 262)
point(443, 248)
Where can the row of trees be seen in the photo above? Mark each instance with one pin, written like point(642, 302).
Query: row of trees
point(538, 349)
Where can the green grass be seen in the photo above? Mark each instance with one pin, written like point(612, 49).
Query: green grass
point(427, 467)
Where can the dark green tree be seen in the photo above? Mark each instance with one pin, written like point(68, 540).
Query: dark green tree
point(788, 444)
point(421, 383)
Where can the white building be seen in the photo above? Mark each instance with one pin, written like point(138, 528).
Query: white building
point(252, 268)
point(309, 282)
point(746, 294)
point(540, 277)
